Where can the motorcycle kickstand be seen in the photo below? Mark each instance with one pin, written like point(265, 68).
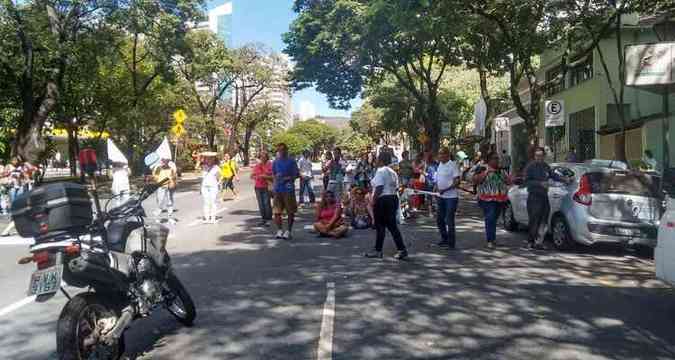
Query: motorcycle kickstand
point(63, 290)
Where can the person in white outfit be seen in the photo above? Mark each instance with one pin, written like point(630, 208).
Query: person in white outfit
point(209, 189)
point(120, 183)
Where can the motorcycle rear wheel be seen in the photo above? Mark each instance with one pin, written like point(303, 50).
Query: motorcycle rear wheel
point(181, 305)
point(77, 326)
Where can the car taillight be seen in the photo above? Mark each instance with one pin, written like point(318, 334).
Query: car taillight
point(583, 194)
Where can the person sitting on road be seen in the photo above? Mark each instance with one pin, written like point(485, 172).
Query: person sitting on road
point(359, 210)
point(329, 221)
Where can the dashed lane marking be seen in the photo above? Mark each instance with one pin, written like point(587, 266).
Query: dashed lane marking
point(325, 351)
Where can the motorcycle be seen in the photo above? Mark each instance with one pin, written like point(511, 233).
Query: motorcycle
point(115, 255)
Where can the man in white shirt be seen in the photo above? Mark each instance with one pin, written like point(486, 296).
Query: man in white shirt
point(305, 167)
point(447, 180)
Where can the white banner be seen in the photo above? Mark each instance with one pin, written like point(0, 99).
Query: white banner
point(650, 64)
point(554, 113)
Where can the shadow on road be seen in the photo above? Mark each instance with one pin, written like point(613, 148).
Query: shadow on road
point(261, 298)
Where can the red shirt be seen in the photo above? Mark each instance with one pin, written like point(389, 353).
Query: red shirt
point(326, 214)
point(259, 170)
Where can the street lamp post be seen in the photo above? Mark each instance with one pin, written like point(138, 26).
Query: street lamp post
point(665, 31)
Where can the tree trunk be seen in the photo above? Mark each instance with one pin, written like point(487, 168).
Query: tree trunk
point(487, 135)
point(73, 148)
point(247, 145)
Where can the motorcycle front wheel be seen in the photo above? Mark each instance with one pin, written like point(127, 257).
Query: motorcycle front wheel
point(79, 329)
point(179, 303)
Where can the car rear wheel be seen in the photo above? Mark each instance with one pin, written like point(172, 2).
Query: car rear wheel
point(508, 220)
point(562, 240)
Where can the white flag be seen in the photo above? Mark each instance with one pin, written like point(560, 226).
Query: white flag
point(114, 153)
point(164, 151)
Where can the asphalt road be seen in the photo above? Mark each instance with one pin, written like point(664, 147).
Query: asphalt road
point(312, 298)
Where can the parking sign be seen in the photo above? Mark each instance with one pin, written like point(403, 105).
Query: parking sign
point(554, 113)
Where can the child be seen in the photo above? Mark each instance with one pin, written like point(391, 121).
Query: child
point(359, 210)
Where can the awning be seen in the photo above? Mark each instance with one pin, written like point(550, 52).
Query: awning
point(635, 124)
point(81, 133)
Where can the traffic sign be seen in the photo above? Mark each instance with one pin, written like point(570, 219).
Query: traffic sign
point(179, 116)
point(554, 113)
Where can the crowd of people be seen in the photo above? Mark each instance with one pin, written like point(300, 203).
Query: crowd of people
point(371, 192)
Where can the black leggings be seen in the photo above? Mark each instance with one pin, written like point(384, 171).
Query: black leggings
point(385, 210)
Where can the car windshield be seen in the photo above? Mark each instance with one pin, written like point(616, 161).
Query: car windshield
point(620, 182)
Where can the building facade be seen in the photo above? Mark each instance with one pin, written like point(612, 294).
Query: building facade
point(592, 116)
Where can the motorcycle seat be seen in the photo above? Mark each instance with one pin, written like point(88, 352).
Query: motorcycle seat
point(118, 233)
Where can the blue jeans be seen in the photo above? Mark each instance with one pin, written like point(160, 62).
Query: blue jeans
point(445, 219)
point(14, 192)
point(306, 186)
point(264, 203)
point(491, 209)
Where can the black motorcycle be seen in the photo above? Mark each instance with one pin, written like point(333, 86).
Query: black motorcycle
point(114, 254)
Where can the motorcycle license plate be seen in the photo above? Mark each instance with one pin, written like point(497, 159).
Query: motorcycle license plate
point(46, 281)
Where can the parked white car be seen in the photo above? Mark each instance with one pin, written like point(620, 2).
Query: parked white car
point(602, 204)
point(664, 254)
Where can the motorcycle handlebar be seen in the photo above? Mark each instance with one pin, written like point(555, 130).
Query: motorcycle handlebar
point(124, 209)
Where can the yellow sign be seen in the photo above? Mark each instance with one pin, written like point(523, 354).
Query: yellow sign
point(178, 130)
point(179, 116)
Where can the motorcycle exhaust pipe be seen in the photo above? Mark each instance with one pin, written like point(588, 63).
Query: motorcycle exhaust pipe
point(128, 315)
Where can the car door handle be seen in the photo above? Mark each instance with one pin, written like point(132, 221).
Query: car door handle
point(557, 196)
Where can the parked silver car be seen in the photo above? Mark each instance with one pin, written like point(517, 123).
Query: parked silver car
point(603, 204)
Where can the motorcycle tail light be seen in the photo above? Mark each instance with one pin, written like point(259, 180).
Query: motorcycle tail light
point(41, 259)
point(72, 250)
point(583, 194)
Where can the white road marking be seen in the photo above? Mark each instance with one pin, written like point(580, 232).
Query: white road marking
point(199, 221)
point(325, 351)
point(16, 240)
point(17, 305)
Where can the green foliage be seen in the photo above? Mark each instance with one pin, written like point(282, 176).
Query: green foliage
point(353, 142)
point(319, 135)
point(296, 143)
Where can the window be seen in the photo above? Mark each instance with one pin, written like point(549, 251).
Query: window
point(582, 71)
point(555, 82)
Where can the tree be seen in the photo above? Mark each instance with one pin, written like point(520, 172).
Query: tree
point(205, 62)
point(523, 30)
point(368, 120)
point(256, 72)
point(261, 115)
point(341, 45)
point(296, 143)
point(354, 142)
point(36, 39)
point(319, 135)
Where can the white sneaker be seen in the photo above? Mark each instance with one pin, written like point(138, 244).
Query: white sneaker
point(280, 234)
point(287, 235)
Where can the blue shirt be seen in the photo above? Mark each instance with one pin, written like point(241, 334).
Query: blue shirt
point(283, 167)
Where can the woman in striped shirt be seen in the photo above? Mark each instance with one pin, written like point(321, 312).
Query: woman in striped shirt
point(492, 187)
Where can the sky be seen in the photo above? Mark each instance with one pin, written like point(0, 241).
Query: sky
point(264, 21)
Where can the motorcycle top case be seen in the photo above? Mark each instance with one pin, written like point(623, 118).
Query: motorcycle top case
point(53, 209)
